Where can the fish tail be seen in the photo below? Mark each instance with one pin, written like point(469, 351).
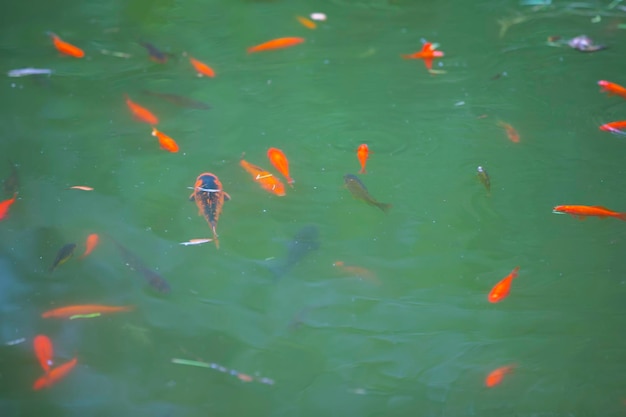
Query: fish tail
point(621, 216)
point(384, 207)
point(215, 239)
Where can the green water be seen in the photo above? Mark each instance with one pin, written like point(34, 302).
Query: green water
point(419, 338)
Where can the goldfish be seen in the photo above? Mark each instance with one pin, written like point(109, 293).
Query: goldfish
point(66, 48)
point(202, 68)
point(428, 53)
point(69, 311)
point(581, 212)
point(356, 271)
point(63, 255)
point(362, 153)
point(43, 351)
point(276, 44)
point(510, 131)
point(359, 191)
point(80, 187)
point(496, 376)
point(614, 127)
point(280, 162)
point(12, 182)
point(178, 100)
point(54, 375)
point(165, 141)
point(267, 181)
point(612, 88)
point(5, 206)
point(141, 113)
point(90, 244)
point(501, 290)
point(307, 23)
point(483, 176)
point(156, 55)
point(209, 197)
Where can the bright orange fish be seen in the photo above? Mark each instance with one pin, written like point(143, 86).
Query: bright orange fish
point(612, 88)
point(267, 181)
point(5, 205)
point(362, 153)
point(307, 23)
point(69, 311)
point(510, 131)
point(209, 197)
point(141, 113)
point(90, 244)
point(428, 53)
point(276, 44)
point(581, 212)
point(501, 290)
point(165, 141)
point(614, 127)
point(43, 351)
point(202, 68)
point(55, 375)
point(280, 162)
point(496, 376)
point(66, 48)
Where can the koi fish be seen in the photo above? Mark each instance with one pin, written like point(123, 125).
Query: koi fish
point(305, 241)
point(510, 131)
point(69, 311)
point(483, 176)
point(66, 48)
point(202, 68)
point(496, 376)
point(267, 181)
point(90, 244)
point(178, 100)
point(359, 191)
point(209, 198)
point(281, 163)
point(5, 206)
point(12, 182)
point(43, 351)
point(356, 271)
point(428, 53)
point(63, 255)
point(276, 44)
point(23, 72)
point(307, 23)
point(581, 212)
point(165, 141)
point(362, 153)
point(54, 375)
point(141, 113)
point(80, 187)
point(155, 53)
point(614, 127)
point(133, 262)
point(612, 88)
point(501, 290)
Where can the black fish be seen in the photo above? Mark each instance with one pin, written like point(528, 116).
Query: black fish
point(359, 191)
point(155, 53)
point(63, 255)
point(132, 261)
point(305, 241)
point(178, 100)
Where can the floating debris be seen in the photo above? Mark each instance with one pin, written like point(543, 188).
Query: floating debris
point(216, 366)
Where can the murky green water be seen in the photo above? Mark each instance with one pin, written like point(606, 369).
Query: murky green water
point(417, 337)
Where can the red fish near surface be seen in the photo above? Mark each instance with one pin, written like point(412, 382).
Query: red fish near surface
point(66, 48)
point(501, 290)
point(141, 113)
point(165, 141)
point(5, 205)
point(267, 181)
point(43, 351)
point(76, 310)
point(276, 44)
point(90, 244)
point(280, 162)
point(581, 212)
point(496, 376)
point(54, 375)
point(202, 68)
point(612, 88)
point(362, 153)
point(428, 53)
point(614, 127)
point(209, 197)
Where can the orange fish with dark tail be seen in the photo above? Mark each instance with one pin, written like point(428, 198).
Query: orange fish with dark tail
point(209, 197)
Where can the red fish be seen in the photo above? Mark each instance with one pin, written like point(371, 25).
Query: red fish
point(54, 375)
point(428, 53)
point(510, 131)
point(581, 212)
point(280, 162)
point(165, 141)
point(5, 205)
point(202, 68)
point(267, 181)
point(614, 127)
point(357, 271)
point(141, 113)
point(362, 153)
point(90, 244)
point(78, 310)
point(612, 88)
point(496, 376)
point(209, 197)
point(276, 44)
point(43, 351)
point(501, 290)
point(66, 48)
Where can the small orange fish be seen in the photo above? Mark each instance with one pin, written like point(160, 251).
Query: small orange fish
point(501, 290)
point(267, 181)
point(209, 198)
point(356, 271)
point(69, 311)
point(581, 212)
point(66, 48)
point(5, 206)
point(510, 131)
point(612, 88)
point(614, 127)
point(141, 113)
point(281, 163)
point(428, 53)
point(165, 141)
point(307, 23)
point(362, 153)
point(276, 44)
point(43, 351)
point(54, 375)
point(202, 68)
point(496, 376)
point(80, 187)
point(90, 244)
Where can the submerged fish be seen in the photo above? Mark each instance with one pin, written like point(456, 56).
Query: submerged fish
point(155, 53)
point(12, 182)
point(178, 100)
point(359, 191)
point(63, 255)
point(132, 261)
point(23, 72)
point(484, 178)
point(305, 241)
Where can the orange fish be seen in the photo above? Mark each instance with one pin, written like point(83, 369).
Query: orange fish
point(165, 141)
point(66, 48)
point(54, 375)
point(202, 68)
point(267, 181)
point(5, 205)
point(90, 244)
point(501, 290)
point(510, 131)
point(362, 153)
point(43, 351)
point(307, 23)
point(496, 376)
point(356, 271)
point(276, 44)
point(69, 311)
point(614, 127)
point(141, 113)
point(280, 162)
point(581, 212)
point(428, 53)
point(612, 88)
point(209, 197)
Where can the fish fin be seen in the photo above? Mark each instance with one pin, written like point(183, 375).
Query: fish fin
point(226, 196)
point(621, 216)
point(601, 207)
point(581, 218)
point(192, 197)
point(384, 207)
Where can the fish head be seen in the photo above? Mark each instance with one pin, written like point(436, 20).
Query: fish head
point(208, 182)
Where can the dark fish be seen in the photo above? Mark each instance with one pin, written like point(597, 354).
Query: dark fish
point(12, 182)
point(305, 241)
point(155, 53)
point(63, 255)
point(483, 176)
point(178, 100)
point(133, 262)
point(209, 197)
point(359, 191)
